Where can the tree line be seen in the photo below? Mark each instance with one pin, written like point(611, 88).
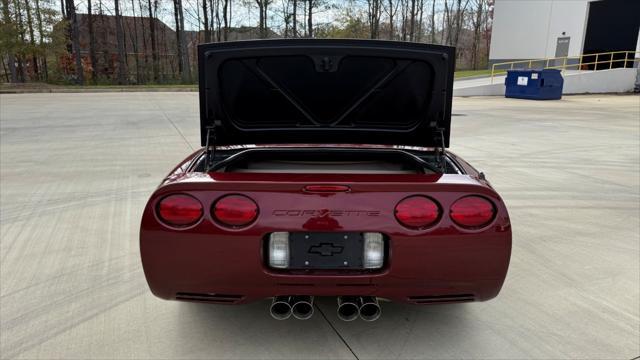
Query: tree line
point(154, 41)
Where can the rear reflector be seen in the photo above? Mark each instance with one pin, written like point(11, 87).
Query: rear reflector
point(417, 212)
point(373, 251)
point(437, 299)
point(279, 250)
point(179, 210)
point(235, 210)
point(210, 298)
point(472, 212)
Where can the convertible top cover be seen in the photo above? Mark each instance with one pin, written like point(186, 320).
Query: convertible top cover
point(311, 91)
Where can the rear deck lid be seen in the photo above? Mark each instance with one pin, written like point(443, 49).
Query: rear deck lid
point(326, 91)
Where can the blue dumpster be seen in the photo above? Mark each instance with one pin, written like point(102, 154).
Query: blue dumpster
point(534, 84)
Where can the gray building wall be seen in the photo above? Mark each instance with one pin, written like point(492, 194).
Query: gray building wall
point(529, 29)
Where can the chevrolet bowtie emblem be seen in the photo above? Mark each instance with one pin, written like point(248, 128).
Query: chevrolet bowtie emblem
point(325, 249)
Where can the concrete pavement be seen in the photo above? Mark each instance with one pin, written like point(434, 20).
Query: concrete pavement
point(77, 169)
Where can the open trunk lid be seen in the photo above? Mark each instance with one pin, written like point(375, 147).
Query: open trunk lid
point(325, 91)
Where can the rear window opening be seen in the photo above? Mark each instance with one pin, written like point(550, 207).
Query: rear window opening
point(330, 161)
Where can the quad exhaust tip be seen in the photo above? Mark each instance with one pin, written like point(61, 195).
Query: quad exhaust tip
point(348, 309)
point(280, 308)
point(369, 308)
point(352, 307)
point(283, 307)
point(302, 308)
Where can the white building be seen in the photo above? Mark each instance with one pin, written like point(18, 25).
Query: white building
point(538, 29)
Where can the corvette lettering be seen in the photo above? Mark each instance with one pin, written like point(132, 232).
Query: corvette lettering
point(325, 213)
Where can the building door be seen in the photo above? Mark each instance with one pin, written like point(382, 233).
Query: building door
point(612, 25)
point(562, 49)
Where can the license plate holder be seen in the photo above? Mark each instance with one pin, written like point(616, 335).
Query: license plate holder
point(325, 250)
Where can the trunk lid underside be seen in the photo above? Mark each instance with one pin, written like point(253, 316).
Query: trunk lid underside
point(325, 91)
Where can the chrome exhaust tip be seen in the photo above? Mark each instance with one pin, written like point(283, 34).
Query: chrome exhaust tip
point(302, 308)
point(280, 308)
point(348, 309)
point(369, 308)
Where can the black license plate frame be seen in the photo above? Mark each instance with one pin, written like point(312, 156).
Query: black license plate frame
point(326, 250)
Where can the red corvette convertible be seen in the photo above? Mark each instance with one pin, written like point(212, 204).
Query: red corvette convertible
point(324, 172)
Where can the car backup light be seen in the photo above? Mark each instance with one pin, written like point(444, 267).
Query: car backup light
point(235, 210)
point(472, 212)
point(417, 212)
point(373, 256)
point(279, 250)
point(179, 210)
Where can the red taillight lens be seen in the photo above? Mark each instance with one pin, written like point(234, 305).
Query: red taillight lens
point(235, 210)
point(472, 212)
point(179, 210)
point(417, 212)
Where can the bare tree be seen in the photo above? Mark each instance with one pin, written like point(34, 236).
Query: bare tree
point(374, 11)
point(226, 8)
point(4, 69)
point(183, 54)
point(488, 22)
point(446, 25)
point(176, 16)
point(262, 17)
point(419, 31)
point(8, 35)
point(404, 7)
point(459, 19)
point(92, 43)
point(286, 17)
point(122, 66)
point(32, 39)
point(214, 13)
point(312, 3)
point(134, 43)
point(263, 6)
point(145, 51)
point(75, 40)
point(433, 21)
point(41, 37)
point(207, 30)
point(412, 20)
point(154, 46)
point(20, 30)
point(295, 18)
point(476, 23)
point(391, 11)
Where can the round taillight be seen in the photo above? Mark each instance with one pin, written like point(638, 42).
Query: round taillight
point(417, 212)
point(472, 212)
point(179, 210)
point(235, 210)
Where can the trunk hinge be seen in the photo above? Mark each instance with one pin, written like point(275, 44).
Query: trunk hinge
point(210, 148)
point(441, 152)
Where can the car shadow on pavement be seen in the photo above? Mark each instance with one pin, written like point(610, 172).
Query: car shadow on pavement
point(404, 330)
point(250, 332)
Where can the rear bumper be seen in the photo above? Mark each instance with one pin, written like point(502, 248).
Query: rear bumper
point(420, 269)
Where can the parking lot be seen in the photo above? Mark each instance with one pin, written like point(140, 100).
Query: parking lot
point(77, 169)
